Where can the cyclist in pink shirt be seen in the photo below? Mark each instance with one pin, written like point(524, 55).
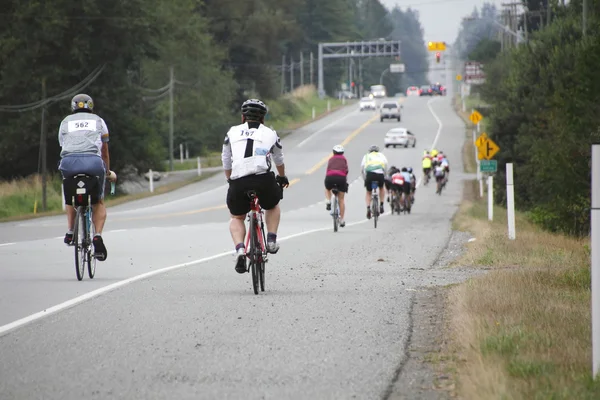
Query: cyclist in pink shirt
point(337, 176)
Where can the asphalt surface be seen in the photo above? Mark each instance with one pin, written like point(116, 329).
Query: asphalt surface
point(333, 322)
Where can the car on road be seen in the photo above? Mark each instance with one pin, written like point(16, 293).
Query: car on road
point(425, 90)
point(367, 103)
point(438, 89)
point(412, 91)
point(399, 137)
point(346, 94)
point(378, 91)
point(389, 110)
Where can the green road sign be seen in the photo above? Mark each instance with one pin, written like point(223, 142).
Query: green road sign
point(488, 165)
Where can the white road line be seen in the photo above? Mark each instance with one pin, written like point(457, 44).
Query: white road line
point(117, 230)
point(90, 295)
point(6, 244)
point(302, 143)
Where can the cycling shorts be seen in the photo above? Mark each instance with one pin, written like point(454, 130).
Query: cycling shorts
point(374, 177)
point(266, 188)
point(340, 181)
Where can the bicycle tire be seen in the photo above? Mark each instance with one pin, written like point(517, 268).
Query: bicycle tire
point(263, 262)
point(375, 208)
point(254, 260)
point(335, 213)
point(78, 245)
point(91, 260)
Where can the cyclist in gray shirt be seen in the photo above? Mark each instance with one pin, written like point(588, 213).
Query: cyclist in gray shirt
point(83, 137)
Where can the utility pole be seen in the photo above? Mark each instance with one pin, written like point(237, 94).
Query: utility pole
point(44, 147)
point(360, 79)
point(282, 75)
point(171, 85)
point(311, 68)
point(291, 74)
point(301, 69)
point(585, 16)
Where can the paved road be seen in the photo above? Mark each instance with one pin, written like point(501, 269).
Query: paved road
point(333, 322)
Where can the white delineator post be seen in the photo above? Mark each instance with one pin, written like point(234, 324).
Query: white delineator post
point(199, 167)
point(313, 113)
point(151, 181)
point(510, 202)
point(328, 105)
point(181, 153)
point(490, 182)
point(595, 243)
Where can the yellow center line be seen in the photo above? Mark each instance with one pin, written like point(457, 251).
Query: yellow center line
point(344, 143)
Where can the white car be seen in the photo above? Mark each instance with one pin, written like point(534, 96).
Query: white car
point(399, 137)
point(389, 110)
point(413, 91)
point(367, 103)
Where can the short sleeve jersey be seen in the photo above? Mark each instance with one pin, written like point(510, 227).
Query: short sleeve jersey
point(82, 133)
point(248, 151)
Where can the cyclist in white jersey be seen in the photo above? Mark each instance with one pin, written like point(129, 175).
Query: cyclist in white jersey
point(247, 153)
point(83, 137)
point(373, 167)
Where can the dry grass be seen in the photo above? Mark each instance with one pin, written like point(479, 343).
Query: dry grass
point(468, 150)
point(523, 330)
point(20, 196)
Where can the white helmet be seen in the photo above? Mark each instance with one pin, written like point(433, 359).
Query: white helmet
point(338, 149)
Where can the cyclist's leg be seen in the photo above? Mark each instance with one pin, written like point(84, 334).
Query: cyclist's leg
point(269, 195)
point(381, 192)
point(368, 181)
point(342, 199)
point(328, 187)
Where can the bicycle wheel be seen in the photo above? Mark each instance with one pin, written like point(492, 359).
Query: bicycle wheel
point(91, 260)
point(254, 255)
point(375, 208)
point(79, 245)
point(263, 261)
point(334, 206)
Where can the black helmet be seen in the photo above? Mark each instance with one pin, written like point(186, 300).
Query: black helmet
point(404, 169)
point(82, 102)
point(373, 148)
point(393, 170)
point(254, 109)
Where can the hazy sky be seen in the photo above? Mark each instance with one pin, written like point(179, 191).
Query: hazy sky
point(440, 18)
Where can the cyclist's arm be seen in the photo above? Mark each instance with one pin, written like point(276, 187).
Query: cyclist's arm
point(226, 157)
point(362, 166)
point(277, 155)
point(104, 150)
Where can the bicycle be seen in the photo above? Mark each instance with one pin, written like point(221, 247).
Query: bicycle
point(335, 208)
point(427, 177)
point(82, 200)
point(256, 243)
point(374, 202)
point(395, 202)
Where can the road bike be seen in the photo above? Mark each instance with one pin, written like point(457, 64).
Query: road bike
point(256, 243)
point(406, 203)
point(441, 183)
point(427, 177)
point(395, 202)
point(335, 208)
point(375, 202)
point(84, 230)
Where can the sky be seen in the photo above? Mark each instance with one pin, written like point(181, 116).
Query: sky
point(441, 19)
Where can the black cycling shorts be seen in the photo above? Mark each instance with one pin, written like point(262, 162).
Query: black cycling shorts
point(407, 187)
point(266, 188)
point(339, 181)
point(374, 177)
point(426, 170)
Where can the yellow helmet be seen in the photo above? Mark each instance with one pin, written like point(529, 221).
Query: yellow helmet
point(434, 152)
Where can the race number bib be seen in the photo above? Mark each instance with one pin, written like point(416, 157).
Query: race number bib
point(81, 125)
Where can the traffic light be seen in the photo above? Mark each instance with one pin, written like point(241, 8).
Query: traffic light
point(352, 84)
point(437, 57)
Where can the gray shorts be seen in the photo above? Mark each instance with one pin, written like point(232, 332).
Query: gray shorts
point(89, 164)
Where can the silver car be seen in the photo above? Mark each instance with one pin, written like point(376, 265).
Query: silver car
point(367, 103)
point(389, 110)
point(399, 137)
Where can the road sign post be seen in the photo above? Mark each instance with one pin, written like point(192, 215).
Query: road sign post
point(510, 202)
point(595, 245)
point(490, 183)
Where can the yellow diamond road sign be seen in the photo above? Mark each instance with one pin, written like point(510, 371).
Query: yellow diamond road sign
point(481, 140)
point(459, 77)
point(436, 46)
point(475, 117)
point(487, 150)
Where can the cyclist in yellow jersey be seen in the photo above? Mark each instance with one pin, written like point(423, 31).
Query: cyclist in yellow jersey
point(426, 164)
point(373, 167)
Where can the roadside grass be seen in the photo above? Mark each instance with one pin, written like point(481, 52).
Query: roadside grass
point(15, 206)
point(212, 159)
point(522, 331)
point(468, 149)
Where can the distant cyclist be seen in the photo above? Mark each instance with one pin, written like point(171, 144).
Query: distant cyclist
point(337, 175)
point(373, 168)
point(247, 153)
point(83, 137)
point(426, 163)
point(413, 184)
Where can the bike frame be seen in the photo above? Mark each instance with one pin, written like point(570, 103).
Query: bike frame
point(255, 216)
